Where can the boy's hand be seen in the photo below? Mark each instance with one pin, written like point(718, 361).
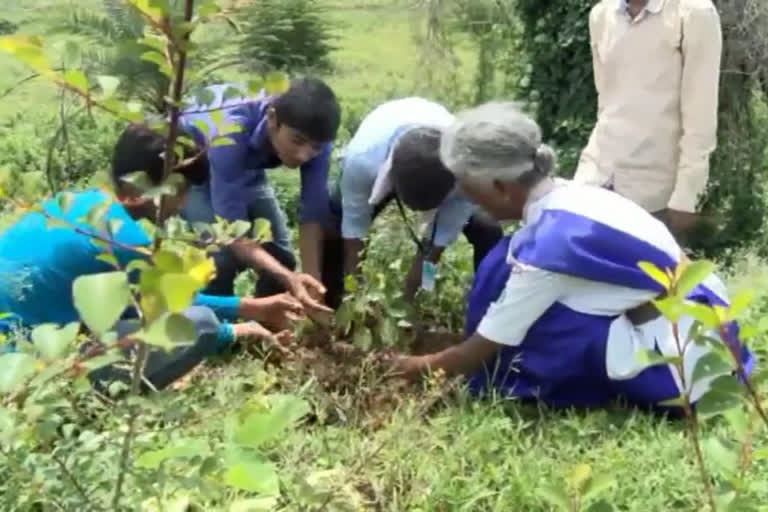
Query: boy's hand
point(308, 290)
point(253, 331)
point(278, 310)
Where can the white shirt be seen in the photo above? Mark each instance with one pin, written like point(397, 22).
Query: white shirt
point(367, 159)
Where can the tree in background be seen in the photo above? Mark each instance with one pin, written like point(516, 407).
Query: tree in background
point(113, 46)
point(538, 51)
point(287, 35)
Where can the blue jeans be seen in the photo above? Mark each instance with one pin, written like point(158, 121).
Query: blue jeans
point(163, 368)
point(263, 205)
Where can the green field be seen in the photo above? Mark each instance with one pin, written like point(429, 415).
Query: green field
point(368, 443)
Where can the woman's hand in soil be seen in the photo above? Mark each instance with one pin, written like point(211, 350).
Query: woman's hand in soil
point(279, 311)
point(406, 366)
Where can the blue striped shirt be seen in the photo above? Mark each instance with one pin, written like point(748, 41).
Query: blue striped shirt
point(238, 166)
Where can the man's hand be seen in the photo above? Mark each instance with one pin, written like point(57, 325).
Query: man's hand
point(679, 223)
point(278, 310)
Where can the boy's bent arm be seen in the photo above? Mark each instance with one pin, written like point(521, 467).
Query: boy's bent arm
point(315, 211)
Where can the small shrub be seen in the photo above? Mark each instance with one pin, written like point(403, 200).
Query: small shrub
point(288, 35)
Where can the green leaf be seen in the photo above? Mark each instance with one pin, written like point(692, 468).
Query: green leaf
point(232, 93)
point(221, 141)
point(259, 477)
point(53, 342)
point(139, 179)
point(579, 476)
point(15, 369)
point(653, 358)
point(239, 228)
point(671, 307)
point(180, 449)
point(276, 82)
point(740, 304)
point(255, 87)
point(673, 402)
point(97, 214)
point(656, 274)
point(597, 484)
point(261, 231)
point(179, 291)
point(153, 9)
point(208, 8)
point(111, 357)
point(708, 365)
point(555, 495)
point(714, 403)
point(205, 97)
point(65, 200)
point(363, 338)
point(350, 284)
point(265, 504)
point(600, 506)
point(159, 60)
point(108, 84)
point(113, 226)
point(169, 331)
point(101, 299)
point(260, 427)
point(727, 384)
point(389, 333)
point(77, 79)
point(693, 274)
point(137, 264)
point(29, 50)
point(168, 261)
point(724, 459)
point(344, 318)
point(702, 313)
point(203, 126)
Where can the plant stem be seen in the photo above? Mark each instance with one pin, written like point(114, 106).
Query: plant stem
point(177, 88)
point(73, 480)
point(743, 374)
point(692, 421)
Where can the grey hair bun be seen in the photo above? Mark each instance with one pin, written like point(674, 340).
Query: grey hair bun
point(545, 160)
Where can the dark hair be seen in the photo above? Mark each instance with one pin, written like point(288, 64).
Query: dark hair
point(310, 107)
point(140, 148)
point(420, 179)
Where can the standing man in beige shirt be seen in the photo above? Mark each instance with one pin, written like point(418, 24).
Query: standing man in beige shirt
point(657, 70)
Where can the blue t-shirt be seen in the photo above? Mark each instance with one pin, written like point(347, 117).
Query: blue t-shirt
point(38, 264)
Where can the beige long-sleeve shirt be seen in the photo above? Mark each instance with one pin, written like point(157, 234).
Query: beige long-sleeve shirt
point(657, 78)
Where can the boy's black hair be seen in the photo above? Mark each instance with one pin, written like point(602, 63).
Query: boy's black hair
point(310, 107)
point(420, 179)
point(140, 148)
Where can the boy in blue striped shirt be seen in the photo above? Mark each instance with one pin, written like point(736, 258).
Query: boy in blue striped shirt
point(38, 265)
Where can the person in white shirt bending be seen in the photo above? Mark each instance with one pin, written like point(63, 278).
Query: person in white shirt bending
point(394, 156)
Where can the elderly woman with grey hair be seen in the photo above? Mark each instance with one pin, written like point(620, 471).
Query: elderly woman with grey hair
point(560, 311)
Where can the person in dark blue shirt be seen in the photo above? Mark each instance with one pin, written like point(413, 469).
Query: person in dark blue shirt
point(38, 264)
point(294, 129)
